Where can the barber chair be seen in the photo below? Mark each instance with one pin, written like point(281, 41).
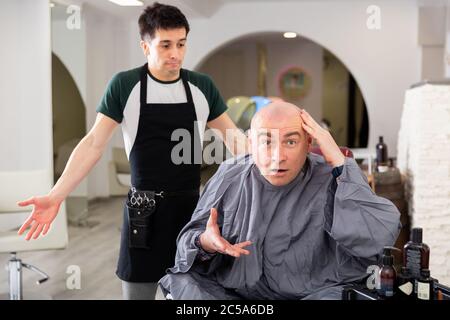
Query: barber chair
point(17, 186)
point(119, 173)
point(241, 110)
point(260, 102)
point(345, 151)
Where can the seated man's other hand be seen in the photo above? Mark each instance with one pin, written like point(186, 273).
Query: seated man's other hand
point(212, 241)
point(330, 150)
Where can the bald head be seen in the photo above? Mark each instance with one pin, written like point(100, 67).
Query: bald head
point(278, 114)
point(278, 141)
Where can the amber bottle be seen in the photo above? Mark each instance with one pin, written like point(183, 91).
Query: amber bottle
point(388, 275)
point(416, 255)
point(425, 286)
point(382, 156)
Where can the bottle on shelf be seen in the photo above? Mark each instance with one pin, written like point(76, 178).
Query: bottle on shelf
point(382, 161)
point(425, 286)
point(387, 274)
point(416, 254)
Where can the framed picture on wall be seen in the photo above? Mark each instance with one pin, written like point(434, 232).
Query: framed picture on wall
point(294, 83)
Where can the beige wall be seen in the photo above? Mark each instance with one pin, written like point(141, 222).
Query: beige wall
point(373, 56)
point(25, 86)
point(234, 68)
point(359, 114)
point(69, 113)
point(335, 96)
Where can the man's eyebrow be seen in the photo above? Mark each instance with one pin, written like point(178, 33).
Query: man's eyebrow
point(287, 135)
point(169, 41)
point(293, 133)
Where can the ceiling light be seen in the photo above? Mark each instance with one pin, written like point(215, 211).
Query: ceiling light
point(52, 5)
point(289, 35)
point(128, 3)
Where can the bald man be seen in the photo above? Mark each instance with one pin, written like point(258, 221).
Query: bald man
point(282, 223)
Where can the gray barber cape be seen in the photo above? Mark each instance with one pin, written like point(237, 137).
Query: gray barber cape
point(309, 237)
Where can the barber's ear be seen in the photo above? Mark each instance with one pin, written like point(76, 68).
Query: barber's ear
point(145, 48)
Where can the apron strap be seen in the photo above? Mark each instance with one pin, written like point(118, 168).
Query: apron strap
point(144, 71)
point(187, 89)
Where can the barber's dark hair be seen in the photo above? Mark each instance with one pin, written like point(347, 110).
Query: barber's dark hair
point(161, 16)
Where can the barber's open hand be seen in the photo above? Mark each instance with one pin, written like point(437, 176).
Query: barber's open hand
point(44, 212)
point(330, 150)
point(212, 241)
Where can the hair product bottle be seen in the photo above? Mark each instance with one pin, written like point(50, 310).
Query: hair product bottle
point(425, 288)
point(416, 255)
point(388, 274)
point(382, 156)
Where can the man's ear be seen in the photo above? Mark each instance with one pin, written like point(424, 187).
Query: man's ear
point(145, 48)
point(309, 140)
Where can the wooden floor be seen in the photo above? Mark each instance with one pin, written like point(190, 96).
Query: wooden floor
point(94, 249)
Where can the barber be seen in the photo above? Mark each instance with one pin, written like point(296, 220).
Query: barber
point(150, 102)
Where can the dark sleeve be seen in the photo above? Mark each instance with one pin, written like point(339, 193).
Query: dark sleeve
point(111, 105)
point(216, 104)
point(337, 171)
point(202, 255)
point(331, 191)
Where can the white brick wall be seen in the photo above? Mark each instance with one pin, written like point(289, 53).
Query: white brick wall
point(424, 159)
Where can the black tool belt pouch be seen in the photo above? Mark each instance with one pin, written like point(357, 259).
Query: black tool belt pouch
point(141, 206)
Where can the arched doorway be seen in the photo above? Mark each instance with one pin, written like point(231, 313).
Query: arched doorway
point(333, 95)
point(69, 127)
point(69, 112)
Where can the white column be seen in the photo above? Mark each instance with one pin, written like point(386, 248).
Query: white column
point(26, 134)
point(25, 86)
point(424, 159)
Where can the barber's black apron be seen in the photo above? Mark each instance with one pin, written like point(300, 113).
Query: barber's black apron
point(152, 169)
